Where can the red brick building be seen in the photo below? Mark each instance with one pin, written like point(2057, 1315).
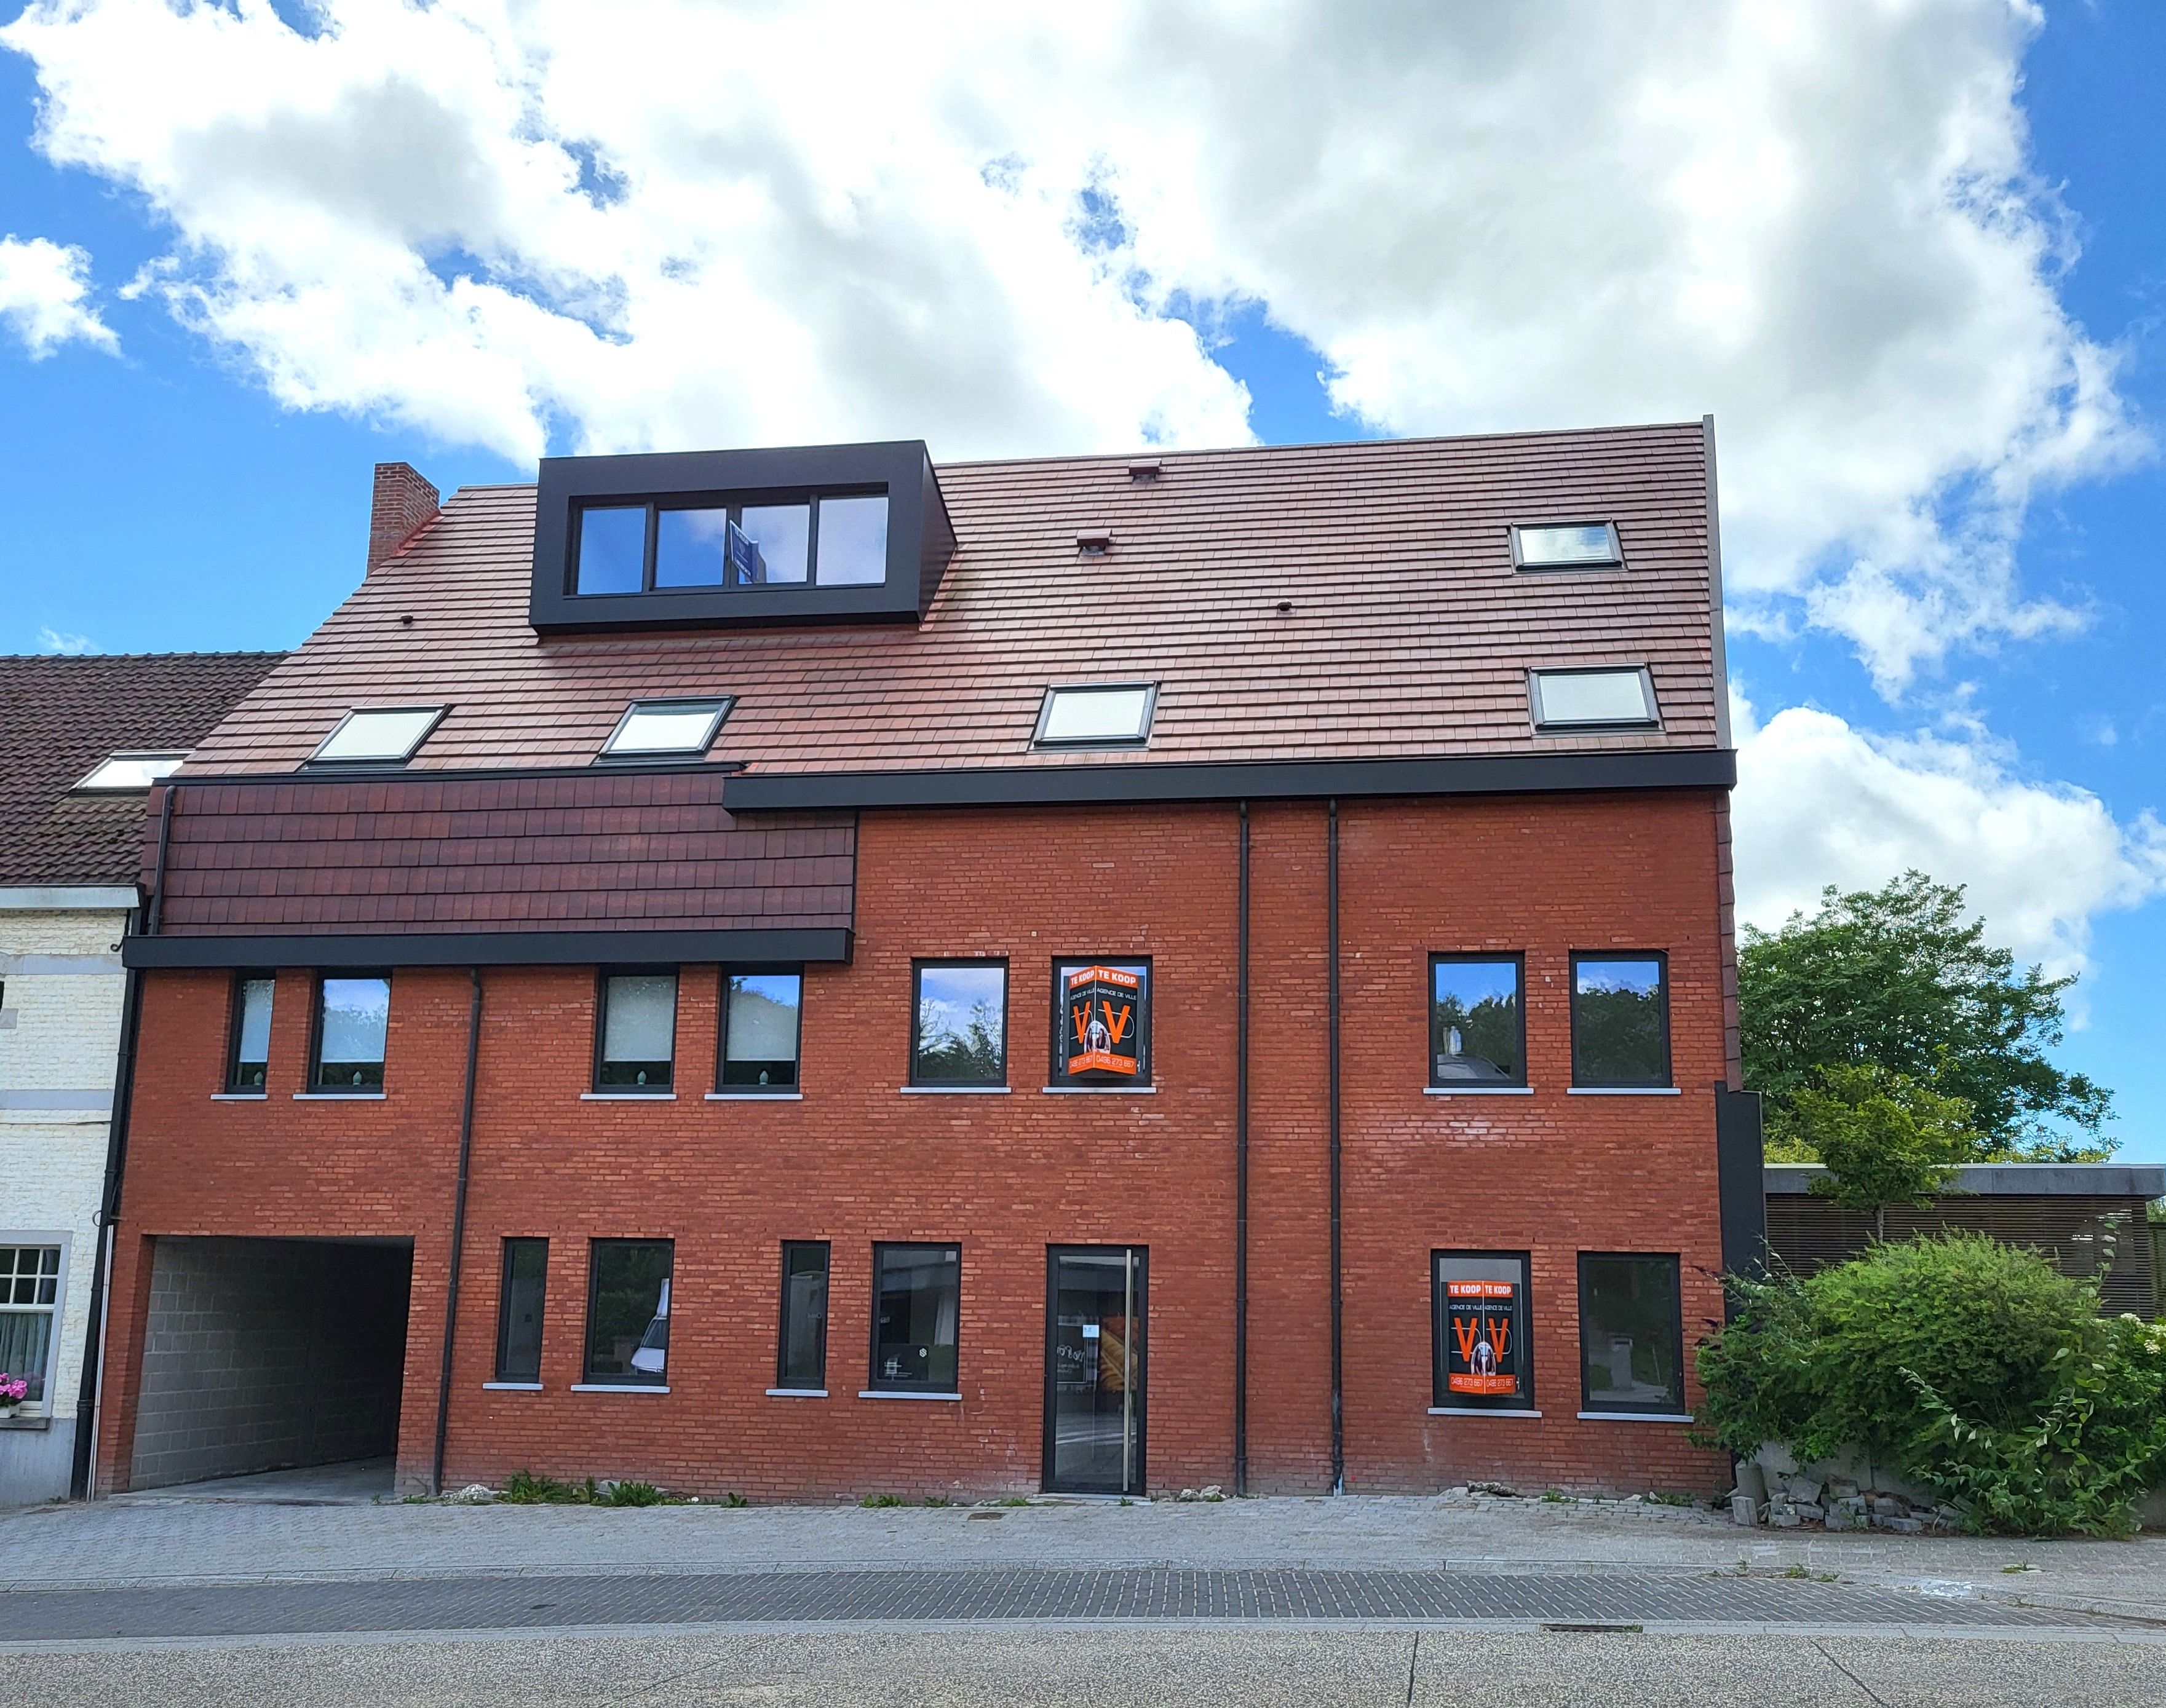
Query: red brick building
point(802, 973)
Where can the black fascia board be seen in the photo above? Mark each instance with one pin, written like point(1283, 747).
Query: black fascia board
point(511, 948)
point(1049, 785)
point(920, 537)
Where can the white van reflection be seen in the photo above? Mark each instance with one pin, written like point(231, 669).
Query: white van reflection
point(653, 1353)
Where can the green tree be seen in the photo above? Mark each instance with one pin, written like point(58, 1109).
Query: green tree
point(1885, 1139)
point(1899, 978)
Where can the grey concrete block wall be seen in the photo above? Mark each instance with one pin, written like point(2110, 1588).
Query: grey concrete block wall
point(266, 1353)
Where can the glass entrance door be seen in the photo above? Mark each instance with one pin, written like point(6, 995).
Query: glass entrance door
point(1093, 1369)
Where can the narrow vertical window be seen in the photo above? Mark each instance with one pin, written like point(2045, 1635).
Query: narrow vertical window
point(628, 1313)
point(353, 1015)
point(1621, 1020)
point(960, 1034)
point(248, 1049)
point(1102, 1023)
point(1477, 1027)
point(1484, 1358)
point(518, 1310)
point(853, 542)
point(1631, 1334)
point(917, 1299)
point(637, 1047)
point(760, 1030)
point(612, 549)
point(800, 1361)
point(29, 1294)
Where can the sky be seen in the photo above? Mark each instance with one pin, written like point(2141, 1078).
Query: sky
point(1910, 254)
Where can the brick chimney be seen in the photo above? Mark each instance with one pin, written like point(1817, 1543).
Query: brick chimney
point(402, 504)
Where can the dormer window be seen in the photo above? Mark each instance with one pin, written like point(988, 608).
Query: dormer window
point(667, 729)
point(121, 773)
point(1604, 697)
point(1097, 714)
point(831, 539)
point(388, 736)
point(1567, 546)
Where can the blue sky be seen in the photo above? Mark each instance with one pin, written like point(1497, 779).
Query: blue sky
point(206, 486)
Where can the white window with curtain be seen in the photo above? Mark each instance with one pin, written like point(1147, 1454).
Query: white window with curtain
point(30, 1305)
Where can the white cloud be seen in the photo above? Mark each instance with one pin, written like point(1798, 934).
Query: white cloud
point(54, 640)
point(1820, 802)
point(43, 288)
point(678, 225)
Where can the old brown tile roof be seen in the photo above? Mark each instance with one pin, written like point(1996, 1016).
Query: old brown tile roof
point(60, 716)
point(1410, 634)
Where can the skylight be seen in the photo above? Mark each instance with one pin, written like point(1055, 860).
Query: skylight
point(130, 771)
point(1107, 714)
point(1588, 699)
point(651, 728)
point(385, 737)
point(1566, 546)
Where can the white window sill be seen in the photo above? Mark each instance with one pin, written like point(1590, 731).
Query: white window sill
point(1624, 1091)
point(627, 1097)
point(617, 1387)
point(953, 1090)
point(797, 1393)
point(1477, 1091)
point(513, 1387)
point(338, 1097)
point(755, 1097)
point(902, 1393)
point(1479, 1411)
point(1100, 1091)
point(238, 1096)
point(1635, 1416)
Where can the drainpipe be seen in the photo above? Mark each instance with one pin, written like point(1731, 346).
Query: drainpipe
point(458, 1233)
point(1241, 1175)
point(1338, 1281)
point(90, 1403)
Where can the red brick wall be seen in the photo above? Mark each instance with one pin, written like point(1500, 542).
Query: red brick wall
point(857, 1161)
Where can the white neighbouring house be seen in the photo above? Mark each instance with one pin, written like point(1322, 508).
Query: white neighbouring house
point(81, 739)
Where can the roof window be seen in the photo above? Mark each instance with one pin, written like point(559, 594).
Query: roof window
point(388, 736)
point(1567, 546)
point(121, 772)
point(1610, 697)
point(1100, 715)
point(676, 728)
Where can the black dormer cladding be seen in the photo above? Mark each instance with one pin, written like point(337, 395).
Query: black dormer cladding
point(919, 539)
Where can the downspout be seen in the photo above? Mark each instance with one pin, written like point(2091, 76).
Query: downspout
point(1337, 1279)
point(1241, 1175)
point(458, 1234)
point(90, 1401)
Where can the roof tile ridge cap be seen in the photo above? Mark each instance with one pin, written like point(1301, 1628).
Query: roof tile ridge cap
point(1167, 452)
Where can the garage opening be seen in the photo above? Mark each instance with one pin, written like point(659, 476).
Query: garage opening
point(263, 1355)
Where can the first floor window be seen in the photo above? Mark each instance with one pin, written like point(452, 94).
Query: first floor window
point(1102, 1023)
point(759, 1031)
point(801, 1354)
point(1620, 1019)
point(1631, 1333)
point(917, 1297)
point(1484, 1357)
point(1476, 1028)
point(959, 1037)
point(518, 1310)
point(248, 1054)
point(628, 1313)
point(353, 1014)
point(30, 1292)
point(638, 1044)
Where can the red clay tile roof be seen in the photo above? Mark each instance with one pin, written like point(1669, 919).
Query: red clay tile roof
point(1410, 635)
point(60, 716)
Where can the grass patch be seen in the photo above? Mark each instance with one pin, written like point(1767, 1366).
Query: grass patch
point(883, 1501)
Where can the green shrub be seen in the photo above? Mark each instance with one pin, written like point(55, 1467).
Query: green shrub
point(525, 1489)
point(1970, 1367)
point(633, 1493)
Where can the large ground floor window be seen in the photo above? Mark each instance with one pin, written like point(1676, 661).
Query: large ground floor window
point(1631, 1333)
point(628, 1313)
point(917, 1301)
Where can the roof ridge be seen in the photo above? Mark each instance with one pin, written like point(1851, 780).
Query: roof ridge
point(111, 657)
point(1408, 439)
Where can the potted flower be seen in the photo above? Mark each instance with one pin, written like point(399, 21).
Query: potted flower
point(13, 1391)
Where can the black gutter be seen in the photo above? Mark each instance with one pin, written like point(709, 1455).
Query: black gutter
point(458, 1235)
point(1241, 1175)
point(1307, 779)
point(498, 948)
point(1338, 1280)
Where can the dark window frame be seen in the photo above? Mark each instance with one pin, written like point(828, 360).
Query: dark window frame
point(1441, 1398)
point(917, 968)
point(233, 1085)
point(504, 1307)
point(602, 977)
point(723, 1084)
point(733, 503)
point(1054, 1254)
point(1615, 562)
point(1085, 744)
point(1438, 958)
point(1057, 1041)
point(724, 704)
point(315, 1085)
point(782, 1377)
point(1538, 715)
point(874, 1381)
point(1587, 1402)
point(1661, 958)
point(588, 1378)
point(316, 762)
